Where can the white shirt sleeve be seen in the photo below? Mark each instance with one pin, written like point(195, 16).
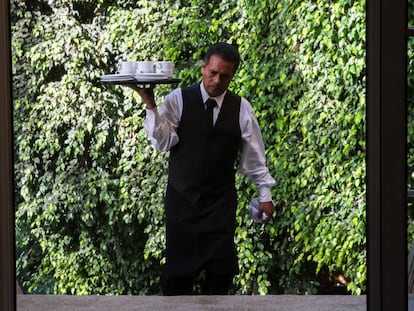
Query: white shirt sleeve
point(161, 124)
point(252, 158)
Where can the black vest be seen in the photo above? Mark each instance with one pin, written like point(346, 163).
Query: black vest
point(203, 161)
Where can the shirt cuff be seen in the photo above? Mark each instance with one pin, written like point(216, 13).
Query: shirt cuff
point(265, 194)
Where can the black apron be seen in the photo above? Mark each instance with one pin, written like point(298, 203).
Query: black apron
point(201, 199)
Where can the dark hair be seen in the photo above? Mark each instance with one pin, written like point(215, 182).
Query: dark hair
point(225, 51)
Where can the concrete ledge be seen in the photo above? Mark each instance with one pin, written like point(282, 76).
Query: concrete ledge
point(190, 303)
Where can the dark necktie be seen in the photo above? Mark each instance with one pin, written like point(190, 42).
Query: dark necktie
point(211, 103)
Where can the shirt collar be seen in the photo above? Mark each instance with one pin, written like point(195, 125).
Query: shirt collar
point(219, 99)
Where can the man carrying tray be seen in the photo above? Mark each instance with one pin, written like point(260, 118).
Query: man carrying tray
point(201, 199)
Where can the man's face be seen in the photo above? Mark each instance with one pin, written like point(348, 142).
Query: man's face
point(217, 75)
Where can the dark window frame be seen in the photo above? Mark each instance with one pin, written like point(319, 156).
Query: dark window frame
point(386, 154)
point(7, 240)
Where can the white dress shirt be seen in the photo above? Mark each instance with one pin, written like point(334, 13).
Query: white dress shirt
point(161, 125)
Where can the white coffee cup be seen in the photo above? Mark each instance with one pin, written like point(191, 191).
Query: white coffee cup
point(126, 68)
point(145, 66)
point(165, 67)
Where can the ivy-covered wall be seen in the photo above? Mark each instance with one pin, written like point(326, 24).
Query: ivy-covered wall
point(89, 185)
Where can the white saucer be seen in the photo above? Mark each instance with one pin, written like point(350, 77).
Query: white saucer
point(117, 77)
point(150, 76)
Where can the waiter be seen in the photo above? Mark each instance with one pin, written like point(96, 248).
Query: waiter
point(201, 199)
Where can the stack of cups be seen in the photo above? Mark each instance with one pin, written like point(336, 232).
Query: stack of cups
point(165, 68)
point(126, 68)
point(144, 66)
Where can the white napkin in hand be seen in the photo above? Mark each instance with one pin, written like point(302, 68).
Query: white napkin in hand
point(254, 211)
